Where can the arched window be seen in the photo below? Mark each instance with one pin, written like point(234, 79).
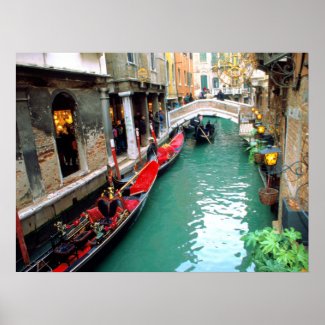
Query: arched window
point(215, 82)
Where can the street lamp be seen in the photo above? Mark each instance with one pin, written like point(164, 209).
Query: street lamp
point(261, 129)
point(271, 155)
point(259, 116)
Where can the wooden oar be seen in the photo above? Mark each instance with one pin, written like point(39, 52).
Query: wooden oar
point(204, 134)
point(130, 180)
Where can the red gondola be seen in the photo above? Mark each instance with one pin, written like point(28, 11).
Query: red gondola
point(166, 156)
point(75, 245)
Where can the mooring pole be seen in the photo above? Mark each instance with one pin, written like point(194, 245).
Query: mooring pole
point(115, 159)
point(21, 240)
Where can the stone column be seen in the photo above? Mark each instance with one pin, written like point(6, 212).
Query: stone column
point(155, 104)
point(163, 107)
point(27, 143)
point(129, 124)
point(107, 122)
point(145, 112)
point(155, 108)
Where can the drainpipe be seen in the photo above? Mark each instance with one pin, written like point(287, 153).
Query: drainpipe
point(107, 123)
point(166, 98)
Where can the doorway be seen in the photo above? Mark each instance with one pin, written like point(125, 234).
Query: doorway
point(63, 113)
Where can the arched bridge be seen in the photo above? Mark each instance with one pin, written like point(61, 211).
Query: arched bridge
point(237, 112)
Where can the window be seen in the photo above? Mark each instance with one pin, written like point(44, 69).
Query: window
point(215, 82)
point(191, 56)
point(131, 58)
point(204, 81)
point(189, 79)
point(203, 57)
point(185, 78)
point(173, 73)
point(152, 61)
point(213, 59)
point(179, 76)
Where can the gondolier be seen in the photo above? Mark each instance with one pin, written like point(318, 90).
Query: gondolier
point(152, 149)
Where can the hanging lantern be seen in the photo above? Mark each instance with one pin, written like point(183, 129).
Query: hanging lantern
point(253, 109)
point(259, 116)
point(256, 112)
point(261, 129)
point(271, 155)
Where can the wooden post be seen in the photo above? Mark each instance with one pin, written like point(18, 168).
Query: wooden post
point(153, 134)
point(115, 159)
point(21, 240)
point(138, 142)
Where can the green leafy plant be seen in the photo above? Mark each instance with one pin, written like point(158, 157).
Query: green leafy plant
point(274, 252)
point(254, 146)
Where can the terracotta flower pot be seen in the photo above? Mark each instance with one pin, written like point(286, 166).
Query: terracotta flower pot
point(268, 196)
point(258, 157)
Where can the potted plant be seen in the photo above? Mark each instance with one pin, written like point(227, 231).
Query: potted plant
point(276, 252)
point(254, 151)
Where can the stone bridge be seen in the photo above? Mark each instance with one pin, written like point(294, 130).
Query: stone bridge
point(239, 113)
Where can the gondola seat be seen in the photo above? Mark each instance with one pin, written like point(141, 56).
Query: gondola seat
point(82, 238)
point(64, 251)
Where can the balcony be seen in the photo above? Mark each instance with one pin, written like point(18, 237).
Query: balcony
point(232, 91)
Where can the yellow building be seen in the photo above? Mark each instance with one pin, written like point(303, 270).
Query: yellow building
point(171, 80)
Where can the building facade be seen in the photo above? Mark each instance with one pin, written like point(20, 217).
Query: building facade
point(58, 101)
point(285, 107)
point(171, 91)
point(137, 88)
point(184, 75)
point(206, 77)
point(67, 105)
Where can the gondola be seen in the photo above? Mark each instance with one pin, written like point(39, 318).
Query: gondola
point(166, 156)
point(204, 135)
point(75, 245)
point(190, 126)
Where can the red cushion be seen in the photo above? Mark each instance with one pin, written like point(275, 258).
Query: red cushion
point(94, 215)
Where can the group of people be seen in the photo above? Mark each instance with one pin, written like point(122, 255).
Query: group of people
point(157, 121)
point(119, 130)
point(188, 98)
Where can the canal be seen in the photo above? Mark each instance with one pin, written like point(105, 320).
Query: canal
point(197, 212)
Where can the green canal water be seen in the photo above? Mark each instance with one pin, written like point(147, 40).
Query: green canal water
point(197, 212)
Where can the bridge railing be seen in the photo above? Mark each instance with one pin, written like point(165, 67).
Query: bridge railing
point(214, 105)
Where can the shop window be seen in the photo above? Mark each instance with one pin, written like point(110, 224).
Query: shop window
point(66, 141)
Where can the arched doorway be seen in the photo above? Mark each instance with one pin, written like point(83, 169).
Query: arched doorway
point(63, 112)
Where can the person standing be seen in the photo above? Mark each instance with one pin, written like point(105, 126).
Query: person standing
point(221, 95)
point(161, 120)
point(186, 99)
point(190, 99)
point(152, 150)
point(142, 130)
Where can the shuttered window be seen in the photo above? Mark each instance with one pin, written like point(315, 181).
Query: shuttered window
point(203, 57)
point(204, 81)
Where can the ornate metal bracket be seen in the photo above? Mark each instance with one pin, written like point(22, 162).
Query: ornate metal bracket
point(282, 71)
